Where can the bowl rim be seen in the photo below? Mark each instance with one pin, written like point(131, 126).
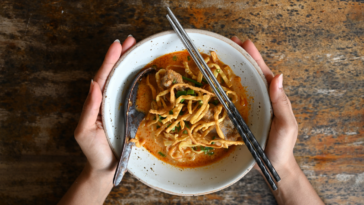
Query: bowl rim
point(203, 32)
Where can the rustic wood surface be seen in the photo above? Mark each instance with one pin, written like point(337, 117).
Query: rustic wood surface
point(51, 49)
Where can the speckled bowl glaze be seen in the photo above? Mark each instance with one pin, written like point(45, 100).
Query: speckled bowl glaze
point(157, 174)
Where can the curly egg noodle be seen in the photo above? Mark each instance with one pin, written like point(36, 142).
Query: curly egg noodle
point(185, 115)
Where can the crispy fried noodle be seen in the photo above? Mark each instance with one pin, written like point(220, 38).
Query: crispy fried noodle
point(186, 114)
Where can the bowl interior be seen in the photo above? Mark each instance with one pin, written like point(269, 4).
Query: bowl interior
point(148, 168)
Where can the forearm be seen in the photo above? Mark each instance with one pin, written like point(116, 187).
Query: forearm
point(294, 187)
point(91, 187)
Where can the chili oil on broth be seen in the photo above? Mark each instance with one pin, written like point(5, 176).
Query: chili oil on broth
point(146, 134)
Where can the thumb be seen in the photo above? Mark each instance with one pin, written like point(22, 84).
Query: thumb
point(91, 107)
point(282, 108)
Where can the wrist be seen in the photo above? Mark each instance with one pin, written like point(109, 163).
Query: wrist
point(102, 178)
point(294, 188)
point(289, 169)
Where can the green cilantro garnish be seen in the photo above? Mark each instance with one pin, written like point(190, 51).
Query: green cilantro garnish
point(161, 154)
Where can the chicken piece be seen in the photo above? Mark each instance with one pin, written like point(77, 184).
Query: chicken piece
point(171, 77)
point(227, 127)
point(209, 116)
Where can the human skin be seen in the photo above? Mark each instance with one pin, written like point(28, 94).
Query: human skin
point(294, 188)
point(95, 182)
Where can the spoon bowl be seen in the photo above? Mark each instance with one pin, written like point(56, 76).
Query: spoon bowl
point(132, 117)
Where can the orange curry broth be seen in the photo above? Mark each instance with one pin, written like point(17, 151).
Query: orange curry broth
point(143, 104)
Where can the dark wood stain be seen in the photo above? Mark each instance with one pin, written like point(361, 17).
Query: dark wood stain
point(49, 51)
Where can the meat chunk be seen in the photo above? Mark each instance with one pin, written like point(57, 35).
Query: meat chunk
point(171, 77)
point(228, 128)
point(209, 116)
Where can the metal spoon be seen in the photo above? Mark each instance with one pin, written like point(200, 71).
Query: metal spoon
point(132, 120)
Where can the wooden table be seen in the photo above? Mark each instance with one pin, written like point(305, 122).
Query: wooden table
point(51, 49)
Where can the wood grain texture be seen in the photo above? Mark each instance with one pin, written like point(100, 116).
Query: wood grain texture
point(51, 49)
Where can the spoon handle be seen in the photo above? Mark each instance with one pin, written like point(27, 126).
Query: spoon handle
point(132, 119)
point(123, 163)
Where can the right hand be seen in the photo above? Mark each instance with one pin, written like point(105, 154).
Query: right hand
point(284, 128)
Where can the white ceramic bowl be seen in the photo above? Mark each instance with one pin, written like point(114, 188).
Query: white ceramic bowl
point(157, 174)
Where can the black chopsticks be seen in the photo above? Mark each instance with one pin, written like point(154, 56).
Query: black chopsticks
point(239, 123)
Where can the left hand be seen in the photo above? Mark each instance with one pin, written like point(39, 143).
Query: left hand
point(90, 134)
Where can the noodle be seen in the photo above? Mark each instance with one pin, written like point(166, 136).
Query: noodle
point(189, 120)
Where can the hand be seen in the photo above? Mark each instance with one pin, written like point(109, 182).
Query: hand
point(294, 188)
point(284, 129)
point(90, 133)
point(95, 182)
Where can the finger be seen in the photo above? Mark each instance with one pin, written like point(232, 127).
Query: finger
point(128, 43)
point(237, 40)
point(111, 57)
point(91, 107)
point(254, 53)
point(282, 108)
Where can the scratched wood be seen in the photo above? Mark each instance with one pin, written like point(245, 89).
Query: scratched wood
point(51, 49)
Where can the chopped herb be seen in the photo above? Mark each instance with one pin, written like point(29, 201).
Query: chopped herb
point(174, 58)
point(178, 128)
point(204, 80)
point(193, 81)
point(181, 113)
point(190, 92)
point(158, 126)
point(174, 81)
point(207, 150)
point(194, 148)
point(215, 102)
point(173, 129)
point(185, 132)
point(161, 154)
point(213, 139)
point(161, 118)
point(200, 102)
point(179, 93)
point(218, 70)
point(188, 57)
point(171, 112)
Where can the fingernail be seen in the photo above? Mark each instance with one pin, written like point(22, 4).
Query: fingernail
point(130, 35)
point(92, 84)
point(117, 40)
point(280, 81)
